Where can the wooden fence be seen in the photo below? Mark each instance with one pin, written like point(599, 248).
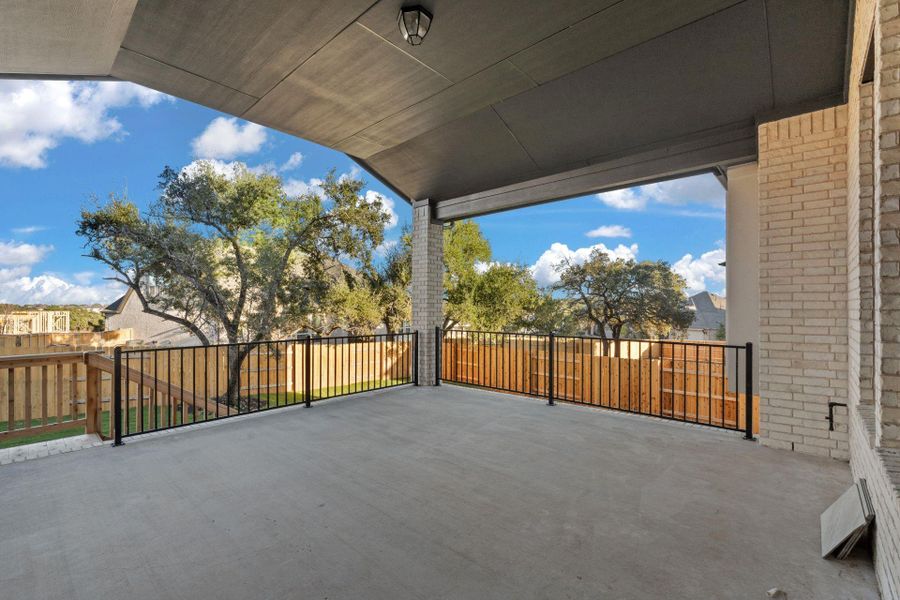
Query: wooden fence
point(40, 343)
point(687, 382)
point(44, 393)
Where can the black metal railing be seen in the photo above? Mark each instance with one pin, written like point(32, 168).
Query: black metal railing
point(163, 388)
point(701, 382)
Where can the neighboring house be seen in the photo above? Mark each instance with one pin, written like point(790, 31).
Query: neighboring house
point(709, 316)
point(127, 312)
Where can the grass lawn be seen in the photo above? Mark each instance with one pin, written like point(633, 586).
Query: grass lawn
point(163, 418)
point(77, 429)
point(286, 398)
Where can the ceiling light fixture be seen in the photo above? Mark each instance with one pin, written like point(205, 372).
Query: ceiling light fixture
point(414, 22)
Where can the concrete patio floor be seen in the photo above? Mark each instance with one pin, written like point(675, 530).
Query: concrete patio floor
point(424, 493)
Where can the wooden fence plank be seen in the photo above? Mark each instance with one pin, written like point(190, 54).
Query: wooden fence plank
point(59, 392)
point(92, 395)
point(27, 398)
point(11, 389)
point(45, 384)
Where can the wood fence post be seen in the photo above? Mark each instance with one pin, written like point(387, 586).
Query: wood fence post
point(92, 391)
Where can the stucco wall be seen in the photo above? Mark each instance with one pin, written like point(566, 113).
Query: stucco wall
point(742, 252)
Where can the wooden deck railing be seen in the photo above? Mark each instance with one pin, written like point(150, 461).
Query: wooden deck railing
point(44, 393)
point(48, 393)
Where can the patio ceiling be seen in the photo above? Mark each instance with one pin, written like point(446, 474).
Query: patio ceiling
point(506, 103)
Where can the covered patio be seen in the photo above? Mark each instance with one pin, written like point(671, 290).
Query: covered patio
point(413, 492)
point(443, 492)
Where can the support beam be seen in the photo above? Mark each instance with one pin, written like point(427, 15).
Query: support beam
point(705, 152)
point(427, 285)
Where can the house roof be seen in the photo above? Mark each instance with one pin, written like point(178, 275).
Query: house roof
point(709, 310)
point(119, 304)
point(508, 102)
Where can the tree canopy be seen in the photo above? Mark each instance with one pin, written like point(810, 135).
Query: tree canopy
point(644, 298)
point(559, 315)
point(375, 295)
point(479, 293)
point(232, 252)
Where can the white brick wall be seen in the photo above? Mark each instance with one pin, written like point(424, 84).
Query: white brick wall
point(860, 255)
point(803, 281)
point(879, 466)
point(887, 261)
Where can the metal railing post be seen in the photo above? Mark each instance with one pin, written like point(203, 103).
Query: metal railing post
point(550, 372)
point(117, 396)
point(748, 393)
point(416, 357)
point(438, 342)
point(307, 371)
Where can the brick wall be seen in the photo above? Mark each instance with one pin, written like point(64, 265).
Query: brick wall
point(860, 256)
point(427, 285)
point(879, 466)
point(873, 464)
point(865, 260)
point(888, 259)
point(803, 280)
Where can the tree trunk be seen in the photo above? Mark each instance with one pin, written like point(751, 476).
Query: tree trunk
point(236, 354)
point(616, 331)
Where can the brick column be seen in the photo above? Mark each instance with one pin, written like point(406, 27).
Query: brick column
point(427, 285)
point(803, 281)
point(887, 226)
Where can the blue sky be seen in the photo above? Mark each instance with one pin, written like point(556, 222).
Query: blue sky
point(62, 143)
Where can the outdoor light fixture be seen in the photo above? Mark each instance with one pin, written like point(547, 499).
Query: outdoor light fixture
point(414, 22)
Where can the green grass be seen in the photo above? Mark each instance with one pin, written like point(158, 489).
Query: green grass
point(162, 419)
point(286, 398)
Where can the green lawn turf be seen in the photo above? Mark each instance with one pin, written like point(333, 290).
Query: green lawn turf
point(163, 418)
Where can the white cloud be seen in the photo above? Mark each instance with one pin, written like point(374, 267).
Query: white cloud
point(481, 267)
point(609, 231)
point(544, 270)
point(227, 169)
point(298, 187)
point(384, 247)
point(20, 253)
point(225, 138)
point(17, 286)
point(624, 199)
point(354, 173)
point(293, 161)
point(84, 277)
point(36, 116)
point(702, 272)
point(387, 206)
point(698, 189)
point(28, 230)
